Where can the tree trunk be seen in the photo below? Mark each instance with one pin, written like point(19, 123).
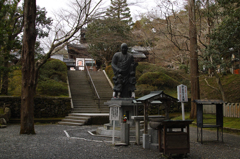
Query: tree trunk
point(193, 58)
point(28, 68)
point(220, 87)
point(4, 89)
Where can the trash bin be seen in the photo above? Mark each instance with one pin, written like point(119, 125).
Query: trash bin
point(172, 138)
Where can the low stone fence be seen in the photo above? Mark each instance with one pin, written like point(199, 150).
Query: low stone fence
point(229, 109)
point(45, 107)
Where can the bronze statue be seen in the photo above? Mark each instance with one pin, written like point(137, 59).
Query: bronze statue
point(124, 73)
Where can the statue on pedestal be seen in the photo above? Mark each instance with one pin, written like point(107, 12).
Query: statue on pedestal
point(124, 79)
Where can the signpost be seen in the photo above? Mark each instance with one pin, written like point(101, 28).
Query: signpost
point(182, 97)
point(113, 116)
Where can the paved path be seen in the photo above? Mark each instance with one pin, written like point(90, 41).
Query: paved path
point(70, 142)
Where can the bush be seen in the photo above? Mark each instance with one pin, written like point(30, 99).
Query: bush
point(53, 69)
point(52, 88)
point(15, 83)
point(109, 72)
point(157, 79)
point(51, 81)
point(184, 67)
point(53, 78)
point(144, 89)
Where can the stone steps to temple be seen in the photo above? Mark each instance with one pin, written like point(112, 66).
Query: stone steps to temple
point(83, 98)
point(70, 123)
point(79, 119)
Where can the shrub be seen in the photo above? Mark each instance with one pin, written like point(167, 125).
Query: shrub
point(109, 72)
point(157, 79)
point(15, 83)
point(52, 78)
point(52, 88)
point(144, 89)
point(51, 81)
point(53, 69)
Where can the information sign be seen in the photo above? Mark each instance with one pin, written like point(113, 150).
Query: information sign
point(114, 113)
point(182, 93)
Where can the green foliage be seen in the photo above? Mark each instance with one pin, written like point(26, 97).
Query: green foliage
point(158, 79)
point(15, 83)
point(53, 69)
point(1, 111)
point(105, 37)
point(109, 72)
point(52, 78)
point(51, 81)
point(228, 122)
point(225, 37)
point(152, 77)
point(184, 67)
point(51, 87)
point(119, 10)
point(11, 27)
point(231, 86)
point(144, 89)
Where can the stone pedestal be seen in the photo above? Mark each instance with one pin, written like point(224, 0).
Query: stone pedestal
point(154, 139)
point(125, 133)
point(146, 143)
point(127, 108)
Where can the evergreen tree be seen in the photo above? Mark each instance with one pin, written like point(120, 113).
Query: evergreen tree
point(105, 37)
point(11, 28)
point(119, 10)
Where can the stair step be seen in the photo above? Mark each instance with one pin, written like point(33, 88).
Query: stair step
point(89, 114)
point(84, 100)
point(93, 111)
point(70, 123)
point(76, 117)
point(74, 121)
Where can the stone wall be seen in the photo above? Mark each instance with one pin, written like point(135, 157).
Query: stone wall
point(45, 107)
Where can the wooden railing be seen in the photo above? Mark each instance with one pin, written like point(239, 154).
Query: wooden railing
point(229, 110)
point(93, 86)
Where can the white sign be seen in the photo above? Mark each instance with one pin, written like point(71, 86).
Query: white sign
point(114, 113)
point(182, 93)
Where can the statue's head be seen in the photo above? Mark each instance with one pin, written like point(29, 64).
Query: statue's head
point(124, 48)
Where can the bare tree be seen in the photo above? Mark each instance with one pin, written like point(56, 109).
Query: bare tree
point(66, 29)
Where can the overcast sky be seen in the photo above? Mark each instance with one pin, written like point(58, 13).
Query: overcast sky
point(136, 6)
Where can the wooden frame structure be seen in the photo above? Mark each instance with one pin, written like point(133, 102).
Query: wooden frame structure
point(155, 96)
point(219, 117)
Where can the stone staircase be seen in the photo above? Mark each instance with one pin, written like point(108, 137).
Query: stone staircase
point(104, 90)
point(83, 98)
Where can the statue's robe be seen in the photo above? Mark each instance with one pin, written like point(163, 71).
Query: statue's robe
point(124, 81)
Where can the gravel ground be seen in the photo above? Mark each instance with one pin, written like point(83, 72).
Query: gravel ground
point(69, 142)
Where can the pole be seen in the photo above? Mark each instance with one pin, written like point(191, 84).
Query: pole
point(183, 113)
point(113, 132)
point(145, 117)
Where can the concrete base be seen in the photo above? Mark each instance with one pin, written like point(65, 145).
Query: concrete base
point(153, 139)
point(146, 143)
point(103, 132)
point(154, 146)
point(125, 133)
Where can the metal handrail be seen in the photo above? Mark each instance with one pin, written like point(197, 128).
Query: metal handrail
point(88, 74)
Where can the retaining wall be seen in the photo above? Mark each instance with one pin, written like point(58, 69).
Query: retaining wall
point(45, 107)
